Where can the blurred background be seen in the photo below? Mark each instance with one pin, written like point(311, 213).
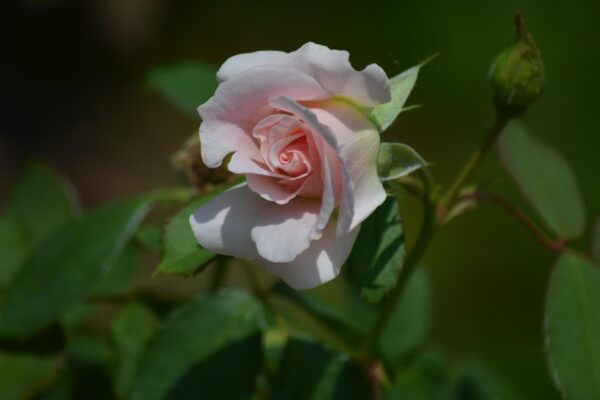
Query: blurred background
point(73, 93)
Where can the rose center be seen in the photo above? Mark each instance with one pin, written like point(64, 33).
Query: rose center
point(293, 159)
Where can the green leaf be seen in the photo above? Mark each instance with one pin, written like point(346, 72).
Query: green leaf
point(545, 178)
point(42, 202)
point(182, 254)
point(308, 370)
point(231, 373)
point(191, 335)
point(150, 237)
point(410, 320)
point(14, 247)
point(401, 85)
point(186, 85)
point(378, 253)
point(121, 275)
point(573, 327)
point(396, 160)
point(131, 330)
point(67, 267)
point(596, 241)
point(22, 377)
point(27, 220)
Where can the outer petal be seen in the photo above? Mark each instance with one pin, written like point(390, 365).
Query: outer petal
point(281, 232)
point(320, 263)
point(239, 103)
point(331, 68)
point(243, 62)
point(223, 224)
point(358, 142)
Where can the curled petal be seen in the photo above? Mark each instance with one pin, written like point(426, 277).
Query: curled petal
point(239, 103)
point(358, 146)
point(270, 189)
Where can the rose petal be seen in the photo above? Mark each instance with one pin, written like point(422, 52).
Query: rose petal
point(270, 189)
point(331, 68)
point(320, 263)
point(243, 62)
point(223, 224)
point(358, 141)
point(242, 163)
point(327, 151)
point(281, 232)
point(239, 103)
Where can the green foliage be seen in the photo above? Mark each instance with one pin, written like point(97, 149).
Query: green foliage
point(428, 376)
point(546, 180)
point(410, 320)
point(401, 85)
point(596, 241)
point(131, 330)
point(150, 237)
point(182, 254)
point(119, 279)
point(475, 381)
point(396, 160)
point(308, 370)
point(378, 253)
point(573, 327)
point(42, 202)
point(231, 373)
point(13, 247)
point(342, 325)
point(431, 376)
point(192, 334)
point(39, 204)
point(22, 377)
point(186, 85)
point(68, 265)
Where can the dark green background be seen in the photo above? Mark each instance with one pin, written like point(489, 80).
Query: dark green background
point(72, 90)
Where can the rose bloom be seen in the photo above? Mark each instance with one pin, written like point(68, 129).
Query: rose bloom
point(295, 125)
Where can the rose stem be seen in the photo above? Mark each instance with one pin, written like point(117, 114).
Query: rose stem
point(469, 168)
point(433, 216)
point(553, 245)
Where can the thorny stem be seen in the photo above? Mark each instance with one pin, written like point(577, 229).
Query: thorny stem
point(554, 245)
point(434, 214)
point(466, 173)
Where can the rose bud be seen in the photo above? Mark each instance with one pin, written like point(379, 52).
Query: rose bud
point(517, 74)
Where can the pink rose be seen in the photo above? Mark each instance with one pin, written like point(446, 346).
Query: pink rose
point(295, 123)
